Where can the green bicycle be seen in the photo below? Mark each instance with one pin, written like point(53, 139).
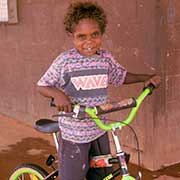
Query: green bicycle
point(35, 172)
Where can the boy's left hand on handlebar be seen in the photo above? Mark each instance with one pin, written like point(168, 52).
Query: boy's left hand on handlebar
point(155, 80)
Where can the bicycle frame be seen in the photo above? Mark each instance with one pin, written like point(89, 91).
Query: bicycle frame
point(119, 153)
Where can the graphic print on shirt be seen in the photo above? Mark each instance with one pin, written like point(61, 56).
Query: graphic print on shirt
point(90, 82)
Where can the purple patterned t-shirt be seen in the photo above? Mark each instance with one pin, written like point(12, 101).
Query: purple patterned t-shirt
point(85, 80)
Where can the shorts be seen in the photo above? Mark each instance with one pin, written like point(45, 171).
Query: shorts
point(74, 159)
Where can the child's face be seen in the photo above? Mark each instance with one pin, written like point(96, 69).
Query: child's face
point(87, 37)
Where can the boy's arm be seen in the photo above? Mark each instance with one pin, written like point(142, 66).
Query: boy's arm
point(147, 79)
point(61, 100)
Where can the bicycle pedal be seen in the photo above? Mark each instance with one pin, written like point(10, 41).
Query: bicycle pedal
point(50, 160)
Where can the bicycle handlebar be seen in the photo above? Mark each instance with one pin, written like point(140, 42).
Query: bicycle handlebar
point(147, 91)
point(81, 111)
point(108, 107)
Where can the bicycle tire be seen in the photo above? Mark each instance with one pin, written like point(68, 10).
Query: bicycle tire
point(28, 172)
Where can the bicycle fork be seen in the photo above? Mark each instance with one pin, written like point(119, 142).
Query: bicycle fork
point(121, 157)
point(120, 153)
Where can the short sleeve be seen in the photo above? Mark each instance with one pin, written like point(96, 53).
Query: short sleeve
point(116, 72)
point(54, 75)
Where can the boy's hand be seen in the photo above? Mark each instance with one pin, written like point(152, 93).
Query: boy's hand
point(155, 80)
point(62, 102)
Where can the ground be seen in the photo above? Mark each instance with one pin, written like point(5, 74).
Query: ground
point(20, 143)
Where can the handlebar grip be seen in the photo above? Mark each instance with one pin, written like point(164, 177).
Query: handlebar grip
point(151, 87)
point(115, 106)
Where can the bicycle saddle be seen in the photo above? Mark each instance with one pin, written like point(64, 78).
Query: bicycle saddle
point(47, 126)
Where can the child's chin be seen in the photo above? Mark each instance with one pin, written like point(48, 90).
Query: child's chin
point(89, 53)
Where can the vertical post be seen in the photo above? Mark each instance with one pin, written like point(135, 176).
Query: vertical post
point(56, 140)
point(120, 153)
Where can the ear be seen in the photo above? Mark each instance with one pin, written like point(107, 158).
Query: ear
point(71, 36)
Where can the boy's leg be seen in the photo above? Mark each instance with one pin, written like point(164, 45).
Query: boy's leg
point(99, 147)
point(73, 160)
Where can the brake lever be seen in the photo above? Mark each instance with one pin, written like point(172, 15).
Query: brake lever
point(64, 114)
point(78, 112)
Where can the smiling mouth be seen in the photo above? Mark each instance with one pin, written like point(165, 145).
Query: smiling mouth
point(89, 49)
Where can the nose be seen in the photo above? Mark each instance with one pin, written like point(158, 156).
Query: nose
point(88, 44)
point(89, 38)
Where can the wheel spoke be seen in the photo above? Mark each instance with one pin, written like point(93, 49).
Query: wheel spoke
point(21, 178)
point(33, 177)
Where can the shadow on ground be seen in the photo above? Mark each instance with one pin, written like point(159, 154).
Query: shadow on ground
point(167, 173)
point(29, 150)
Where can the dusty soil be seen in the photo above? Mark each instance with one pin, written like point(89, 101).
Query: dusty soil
point(22, 152)
point(22, 144)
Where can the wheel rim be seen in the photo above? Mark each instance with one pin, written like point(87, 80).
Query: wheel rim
point(27, 174)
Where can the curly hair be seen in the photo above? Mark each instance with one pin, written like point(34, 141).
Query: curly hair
point(84, 10)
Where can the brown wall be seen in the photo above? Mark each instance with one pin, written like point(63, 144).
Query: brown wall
point(142, 34)
point(166, 124)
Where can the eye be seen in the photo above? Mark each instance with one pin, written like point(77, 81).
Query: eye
point(95, 35)
point(81, 37)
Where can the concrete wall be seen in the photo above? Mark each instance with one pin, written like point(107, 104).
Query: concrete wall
point(166, 112)
point(143, 36)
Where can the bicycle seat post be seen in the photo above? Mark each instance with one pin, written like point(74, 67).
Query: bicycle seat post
point(56, 140)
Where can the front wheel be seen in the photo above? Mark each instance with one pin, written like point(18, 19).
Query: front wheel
point(28, 172)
